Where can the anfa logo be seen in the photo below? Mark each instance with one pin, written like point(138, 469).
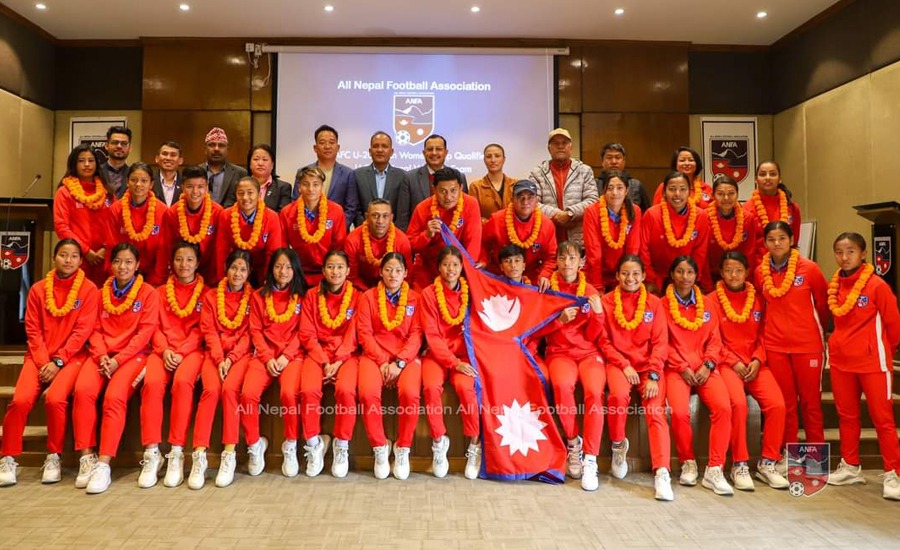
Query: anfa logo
point(410, 310)
point(349, 313)
point(862, 301)
point(297, 308)
point(155, 230)
point(413, 117)
point(694, 235)
point(648, 316)
point(883, 255)
point(729, 157)
point(585, 307)
point(798, 280)
point(265, 237)
point(136, 308)
point(329, 224)
point(210, 229)
point(808, 467)
point(15, 246)
point(757, 315)
point(77, 303)
point(706, 316)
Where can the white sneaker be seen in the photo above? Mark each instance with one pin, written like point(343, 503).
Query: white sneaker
point(781, 466)
point(573, 462)
point(846, 475)
point(473, 461)
point(51, 471)
point(174, 469)
point(589, 479)
point(290, 466)
point(151, 466)
point(439, 463)
point(257, 454)
point(8, 467)
point(767, 472)
point(85, 465)
point(891, 489)
point(619, 467)
point(227, 466)
point(340, 459)
point(401, 462)
point(714, 479)
point(197, 478)
point(688, 473)
point(100, 480)
point(740, 476)
point(315, 456)
point(663, 485)
point(382, 464)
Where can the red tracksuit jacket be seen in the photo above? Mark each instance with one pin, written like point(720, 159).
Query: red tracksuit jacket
point(540, 258)
point(794, 323)
point(601, 260)
point(363, 274)
point(706, 194)
point(125, 336)
point(271, 339)
point(73, 220)
point(656, 253)
point(645, 348)
point(469, 233)
point(747, 245)
point(270, 240)
point(324, 344)
point(65, 336)
point(209, 264)
point(689, 349)
point(154, 265)
point(741, 342)
point(313, 255)
point(581, 337)
point(223, 342)
point(771, 203)
point(445, 342)
point(381, 345)
point(182, 336)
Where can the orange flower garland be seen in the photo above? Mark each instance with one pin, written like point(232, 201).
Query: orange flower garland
point(182, 312)
point(511, 228)
point(50, 297)
point(183, 229)
point(688, 231)
point(676, 313)
point(850, 300)
point(698, 192)
point(107, 294)
point(768, 285)
point(442, 301)
point(339, 319)
point(638, 311)
point(322, 221)
point(730, 313)
point(93, 201)
point(257, 226)
point(285, 316)
point(783, 212)
point(231, 324)
point(367, 243)
point(604, 225)
point(457, 212)
point(713, 212)
point(391, 324)
point(582, 283)
point(129, 225)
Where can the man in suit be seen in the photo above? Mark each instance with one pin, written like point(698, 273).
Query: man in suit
point(167, 181)
point(340, 180)
point(379, 180)
point(223, 176)
point(418, 184)
point(118, 146)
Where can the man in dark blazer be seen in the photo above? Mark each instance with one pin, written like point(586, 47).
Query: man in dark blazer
point(339, 179)
point(379, 180)
point(166, 179)
point(223, 176)
point(417, 185)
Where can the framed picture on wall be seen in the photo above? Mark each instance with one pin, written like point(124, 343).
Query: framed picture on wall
point(807, 241)
point(729, 148)
point(92, 130)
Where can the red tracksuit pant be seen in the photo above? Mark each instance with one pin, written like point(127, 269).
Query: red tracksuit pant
point(765, 391)
point(654, 414)
point(877, 387)
point(591, 372)
point(28, 390)
point(799, 375)
point(229, 392)
point(255, 383)
point(409, 386)
point(310, 393)
point(154, 392)
point(119, 389)
point(433, 378)
point(714, 395)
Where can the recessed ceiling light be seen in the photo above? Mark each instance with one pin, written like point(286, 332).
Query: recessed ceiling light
point(475, 9)
point(329, 8)
point(184, 7)
point(619, 11)
point(761, 15)
point(41, 6)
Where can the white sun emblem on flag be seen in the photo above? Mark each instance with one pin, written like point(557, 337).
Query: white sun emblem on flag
point(521, 428)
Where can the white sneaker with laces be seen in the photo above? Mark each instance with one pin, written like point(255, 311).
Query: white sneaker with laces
point(573, 461)
point(151, 466)
point(688, 473)
point(891, 489)
point(100, 480)
point(619, 467)
point(473, 461)
point(340, 459)
point(257, 454)
point(85, 465)
point(52, 470)
point(781, 466)
point(439, 463)
point(382, 464)
point(663, 485)
point(714, 479)
point(401, 462)
point(846, 475)
point(8, 467)
point(590, 481)
point(740, 476)
point(174, 469)
point(227, 466)
point(768, 474)
point(315, 456)
point(197, 478)
point(290, 466)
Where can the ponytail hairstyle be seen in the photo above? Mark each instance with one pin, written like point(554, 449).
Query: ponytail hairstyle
point(604, 183)
point(782, 186)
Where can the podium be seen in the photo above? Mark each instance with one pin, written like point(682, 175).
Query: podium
point(885, 218)
point(23, 261)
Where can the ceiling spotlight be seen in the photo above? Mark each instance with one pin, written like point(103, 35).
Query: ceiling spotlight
point(329, 8)
point(41, 6)
point(761, 14)
point(475, 9)
point(184, 7)
point(619, 11)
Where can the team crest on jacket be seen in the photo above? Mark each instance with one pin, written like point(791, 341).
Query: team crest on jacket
point(136, 308)
point(706, 316)
point(585, 307)
point(694, 235)
point(648, 316)
point(155, 230)
point(757, 315)
point(862, 301)
point(265, 237)
point(349, 313)
point(77, 303)
point(705, 196)
point(297, 308)
point(460, 222)
point(199, 306)
point(744, 237)
point(210, 229)
point(329, 224)
point(798, 280)
point(536, 247)
point(410, 310)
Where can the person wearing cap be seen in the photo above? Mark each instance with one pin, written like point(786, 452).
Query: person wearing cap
point(495, 190)
point(613, 160)
point(419, 183)
point(566, 187)
point(523, 224)
point(340, 181)
point(222, 175)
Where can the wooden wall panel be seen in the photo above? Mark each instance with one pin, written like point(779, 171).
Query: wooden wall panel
point(262, 84)
point(649, 138)
point(569, 83)
point(190, 127)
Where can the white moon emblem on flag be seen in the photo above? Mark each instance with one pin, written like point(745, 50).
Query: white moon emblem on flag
point(499, 312)
point(520, 428)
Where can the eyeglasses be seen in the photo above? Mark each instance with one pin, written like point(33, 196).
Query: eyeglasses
point(116, 143)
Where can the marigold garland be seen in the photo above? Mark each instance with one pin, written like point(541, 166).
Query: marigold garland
point(107, 294)
point(676, 313)
point(71, 297)
point(93, 201)
point(688, 231)
point(183, 229)
point(257, 226)
point(190, 306)
point(367, 243)
point(391, 324)
point(511, 228)
point(768, 285)
point(338, 319)
point(582, 283)
point(725, 302)
point(853, 296)
point(605, 229)
point(698, 192)
point(619, 314)
point(322, 220)
point(457, 212)
point(129, 224)
point(442, 301)
point(240, 314)
point(783, 212)
point(713, 211)
point(288, 312)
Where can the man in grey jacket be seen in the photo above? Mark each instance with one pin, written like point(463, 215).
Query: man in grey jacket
point(566, 187)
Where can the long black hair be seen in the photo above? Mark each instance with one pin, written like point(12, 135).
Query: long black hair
point(298, 282)
point(72, 166)
point(604, 183)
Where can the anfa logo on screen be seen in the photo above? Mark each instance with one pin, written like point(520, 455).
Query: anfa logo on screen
point(15, 247)
point(413, 118)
